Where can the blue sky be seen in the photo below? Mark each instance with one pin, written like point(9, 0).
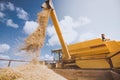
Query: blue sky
point(80, 20)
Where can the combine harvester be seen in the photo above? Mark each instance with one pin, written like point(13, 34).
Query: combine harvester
point(97, 54)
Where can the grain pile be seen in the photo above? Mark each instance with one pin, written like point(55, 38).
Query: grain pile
point(29, 72)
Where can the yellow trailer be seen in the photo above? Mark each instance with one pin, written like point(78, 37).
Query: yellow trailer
point(93, 54)
point(96, 53)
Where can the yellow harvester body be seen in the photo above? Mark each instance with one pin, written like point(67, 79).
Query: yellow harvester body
point(96, 54)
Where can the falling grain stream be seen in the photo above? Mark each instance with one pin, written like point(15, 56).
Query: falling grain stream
point(35, 41)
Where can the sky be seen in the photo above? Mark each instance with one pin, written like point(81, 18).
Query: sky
point(79, 20)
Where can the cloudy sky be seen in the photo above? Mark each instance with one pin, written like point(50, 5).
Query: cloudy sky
point(80, 20)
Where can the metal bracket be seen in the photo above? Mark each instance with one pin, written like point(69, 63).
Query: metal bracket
point(47, 4)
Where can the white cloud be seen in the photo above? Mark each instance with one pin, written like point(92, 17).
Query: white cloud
point(20, 53)
point(84, 20)
point(86, 36)
point(11, 23)
point(4, 48)
point(69, 28)
point(53, 40)
point(21, 13)
point(23, 55)
point(4, 57)
point(2, 14)
point(2, 6)
point(4, 64)
point(10, 6)
point(46, 57)
point(30, 27)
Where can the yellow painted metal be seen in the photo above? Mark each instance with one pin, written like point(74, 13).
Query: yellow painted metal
point(113, 47)
point(118, 42)
point(85, 43)
point(92, 56)
point(48, 5)
point(88, 48)
point(66, 54)
point(116, 61)
point(88, 53)
point(92, 63)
